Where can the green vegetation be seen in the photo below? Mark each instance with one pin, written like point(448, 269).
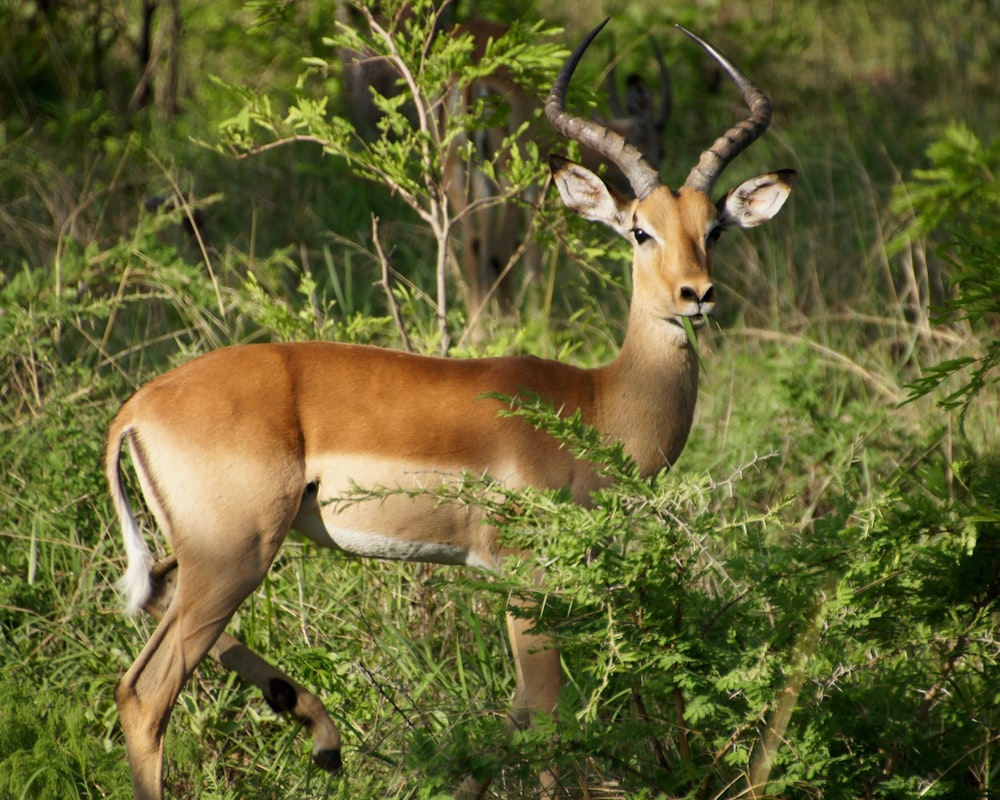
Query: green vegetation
point(808, 601)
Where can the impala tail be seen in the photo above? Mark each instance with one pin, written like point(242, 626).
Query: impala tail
point(135, 585)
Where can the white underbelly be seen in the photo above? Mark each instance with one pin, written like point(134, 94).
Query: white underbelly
point(376, 545)
point(397, 522)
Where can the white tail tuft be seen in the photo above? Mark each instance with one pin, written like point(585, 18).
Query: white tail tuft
point(135, 585)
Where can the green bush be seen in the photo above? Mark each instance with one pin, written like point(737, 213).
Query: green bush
point(960, 196)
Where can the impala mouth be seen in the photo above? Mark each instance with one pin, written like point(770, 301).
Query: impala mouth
point(696, 320)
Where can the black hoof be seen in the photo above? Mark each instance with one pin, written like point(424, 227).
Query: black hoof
point(328, 760)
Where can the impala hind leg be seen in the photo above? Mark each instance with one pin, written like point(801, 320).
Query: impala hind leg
point(280, 692)
point(206, 594)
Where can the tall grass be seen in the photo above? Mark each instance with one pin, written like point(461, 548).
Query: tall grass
point(804, 462)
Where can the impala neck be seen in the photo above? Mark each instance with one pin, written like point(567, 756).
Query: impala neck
point(646, 396)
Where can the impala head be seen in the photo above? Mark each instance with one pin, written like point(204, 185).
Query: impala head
point(672, 232)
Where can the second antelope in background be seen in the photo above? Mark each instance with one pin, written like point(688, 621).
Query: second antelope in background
point(236, 448)
point(493, 246)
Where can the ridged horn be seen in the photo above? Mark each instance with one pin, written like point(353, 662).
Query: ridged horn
point(611, 145)
point(703, 176)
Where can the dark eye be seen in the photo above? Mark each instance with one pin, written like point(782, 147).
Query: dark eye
point(640, 235)
point(714, 234)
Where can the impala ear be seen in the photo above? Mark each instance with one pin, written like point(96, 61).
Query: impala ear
point(585, 193)
point(757, 200)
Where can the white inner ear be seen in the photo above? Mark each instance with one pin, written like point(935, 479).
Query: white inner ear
point(585, 193)
point(754, 201)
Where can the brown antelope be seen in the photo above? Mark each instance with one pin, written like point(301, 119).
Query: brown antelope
point(234, 449)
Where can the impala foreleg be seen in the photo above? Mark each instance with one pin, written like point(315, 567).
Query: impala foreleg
point(280, 692)
point(283, 695)
point(538, 669)
point(538, 673)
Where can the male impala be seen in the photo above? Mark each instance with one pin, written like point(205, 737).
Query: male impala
point(234, 449)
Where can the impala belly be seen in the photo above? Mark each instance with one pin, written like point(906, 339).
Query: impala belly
point(377, 508)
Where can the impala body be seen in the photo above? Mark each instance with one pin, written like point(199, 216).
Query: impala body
point(409, 422)
point(234, 449)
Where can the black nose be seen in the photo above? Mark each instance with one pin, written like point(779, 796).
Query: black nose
point(690, 295)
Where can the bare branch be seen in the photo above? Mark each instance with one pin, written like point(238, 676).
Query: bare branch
point(386, 284)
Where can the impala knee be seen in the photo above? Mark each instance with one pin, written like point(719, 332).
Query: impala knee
point(286, 698)
point(281, 696)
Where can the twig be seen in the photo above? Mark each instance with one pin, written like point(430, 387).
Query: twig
point(515, 257)
point(371, 678)
point(774, 733)
point(386, 284)
point(436, 211)
point(930, 698)
point(185, 206)
point(257, 149)
point(656, 744)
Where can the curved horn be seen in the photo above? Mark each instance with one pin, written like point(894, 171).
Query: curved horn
point(611, 145)
point(703, 176)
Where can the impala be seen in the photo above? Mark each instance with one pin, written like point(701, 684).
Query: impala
point(234, 449)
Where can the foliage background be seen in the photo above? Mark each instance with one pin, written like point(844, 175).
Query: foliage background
point(817, 580)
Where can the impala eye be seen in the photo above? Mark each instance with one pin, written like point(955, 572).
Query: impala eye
point(713, 235)
point(640, 235)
